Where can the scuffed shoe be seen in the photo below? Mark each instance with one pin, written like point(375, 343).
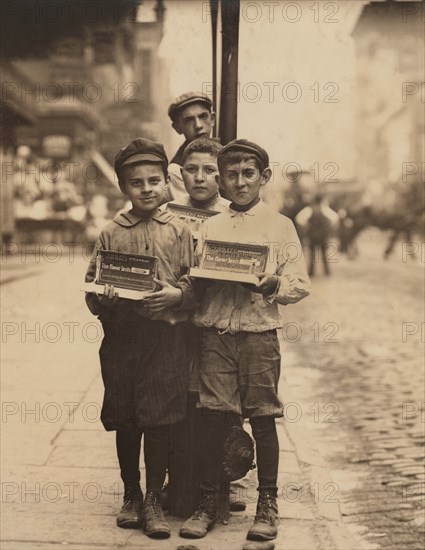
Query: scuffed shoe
point(266, 518)
point(130, 515)
point(203, 519)
point(154, 522)
point(165, 499)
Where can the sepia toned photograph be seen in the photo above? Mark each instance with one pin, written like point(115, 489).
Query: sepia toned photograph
point(212, 274)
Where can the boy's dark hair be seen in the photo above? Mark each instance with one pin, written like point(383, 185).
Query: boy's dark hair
point(203, 145)
point(235, 157)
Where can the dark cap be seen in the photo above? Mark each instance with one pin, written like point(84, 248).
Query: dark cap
point(187, 99)
point(248, 147)
point(139, 150)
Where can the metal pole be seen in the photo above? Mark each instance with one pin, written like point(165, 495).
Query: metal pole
point(214, 10)
point(229, 70)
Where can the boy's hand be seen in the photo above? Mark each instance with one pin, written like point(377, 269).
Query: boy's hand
point(168, 296)
point(267, 285)
point(109, 297)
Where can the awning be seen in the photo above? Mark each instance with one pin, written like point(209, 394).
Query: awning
point(104, 167)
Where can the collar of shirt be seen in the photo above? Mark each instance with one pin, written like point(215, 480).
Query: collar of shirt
point(130, 219)
point(255, 210)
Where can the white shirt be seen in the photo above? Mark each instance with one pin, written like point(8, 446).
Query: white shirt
point(228, 306)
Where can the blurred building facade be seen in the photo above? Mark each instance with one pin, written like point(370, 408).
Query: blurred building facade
point(80, 81)
point(389, 43)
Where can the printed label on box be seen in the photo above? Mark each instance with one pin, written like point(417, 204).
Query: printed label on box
point(235, 257)
point(129, 271)
point(193, 217)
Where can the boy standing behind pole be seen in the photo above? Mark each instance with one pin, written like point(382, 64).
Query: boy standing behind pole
point(199, 171)
point(240, 360)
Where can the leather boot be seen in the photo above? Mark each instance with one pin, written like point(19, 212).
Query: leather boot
point(165, 497)
point(203, 519)
point(154, 522)
point(266, 518)
point(130, 515)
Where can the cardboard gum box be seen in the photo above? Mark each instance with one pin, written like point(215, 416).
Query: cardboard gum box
point(193, 217)
point(231, 262)
point(132, 275)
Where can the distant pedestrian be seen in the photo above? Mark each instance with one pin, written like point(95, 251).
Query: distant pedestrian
point(143, 354)
point(347, 235)
point(317, 223)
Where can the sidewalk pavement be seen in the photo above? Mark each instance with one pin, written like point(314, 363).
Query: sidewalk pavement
point(60, 478)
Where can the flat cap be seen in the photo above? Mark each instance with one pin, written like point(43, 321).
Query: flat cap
point(139, 150)
point(187, 99)
point(248, 147)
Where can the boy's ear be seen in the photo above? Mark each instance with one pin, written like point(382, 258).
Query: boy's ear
point(212, 119)
point(176, 127)
point(265, 176)
point(167, 181)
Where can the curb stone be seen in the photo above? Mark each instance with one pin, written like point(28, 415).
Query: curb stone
point(334, 534)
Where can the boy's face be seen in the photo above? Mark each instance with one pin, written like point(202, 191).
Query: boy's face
point(194, 121)
point(145, 185)
point(243, 181)
point(199, 175)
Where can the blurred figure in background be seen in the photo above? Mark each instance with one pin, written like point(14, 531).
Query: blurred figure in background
point(97, 217)
point(408, 221)
point(317, 223)
point(347, 234)
point(26, 183)
point(64, 194)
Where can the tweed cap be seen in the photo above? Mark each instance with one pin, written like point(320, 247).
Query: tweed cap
point(187, 99)
point(139, 150)
point(248, 147)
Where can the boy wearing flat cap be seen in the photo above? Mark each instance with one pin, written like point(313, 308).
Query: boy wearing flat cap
point(143, 359)
point(240, 358)
point(192, 116)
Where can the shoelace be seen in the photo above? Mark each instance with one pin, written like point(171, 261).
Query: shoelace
point(264, 505)
point(155, 503)
point(198, 512)
point(132, 494)
point(203, 507)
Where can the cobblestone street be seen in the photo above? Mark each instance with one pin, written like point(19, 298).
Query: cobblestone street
point(358, 373)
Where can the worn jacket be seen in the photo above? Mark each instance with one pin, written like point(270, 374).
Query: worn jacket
point(161, 235)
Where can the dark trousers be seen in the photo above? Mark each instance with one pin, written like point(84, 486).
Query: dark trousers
point(156, 451)
point(266, 441)
point(321, 247)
